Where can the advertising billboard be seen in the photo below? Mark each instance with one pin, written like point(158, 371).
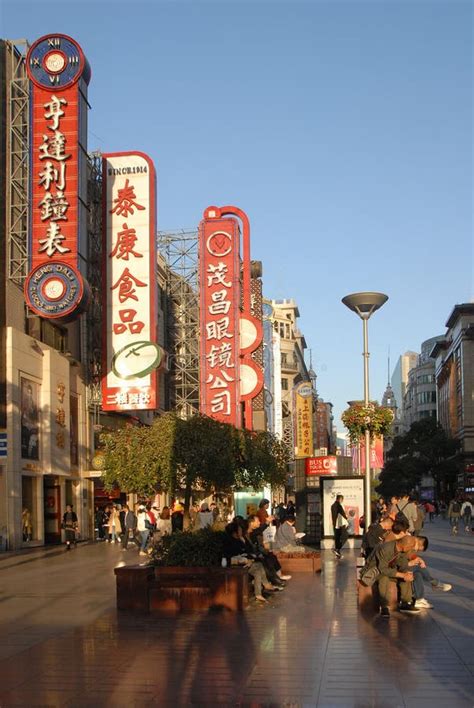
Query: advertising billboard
point(59, 73)
point(220, 293)
point(321, 465)
point(130, 353)
point(352, 489)
point(303, 419)
point(376, 455)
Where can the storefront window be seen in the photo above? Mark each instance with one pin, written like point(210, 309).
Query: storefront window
point(29, 413)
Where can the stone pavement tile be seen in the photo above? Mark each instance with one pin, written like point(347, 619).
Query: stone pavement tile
point(32, 698)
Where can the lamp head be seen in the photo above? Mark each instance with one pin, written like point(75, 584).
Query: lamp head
point(364, 304)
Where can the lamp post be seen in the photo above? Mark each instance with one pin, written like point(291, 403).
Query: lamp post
point(364, 305)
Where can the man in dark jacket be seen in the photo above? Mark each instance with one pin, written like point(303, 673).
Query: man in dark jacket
point(375, 534)
point(128, 522)
point(340, 528)
point(393, 561)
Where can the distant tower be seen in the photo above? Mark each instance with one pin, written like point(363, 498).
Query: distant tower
point(388, 398)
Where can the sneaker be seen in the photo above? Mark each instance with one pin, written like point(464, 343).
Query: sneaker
point(423, 604)
point(385, 613)
point(142, 553)
point(285, 577)
point(444, 587)
point(337, 554)
point(408, 608)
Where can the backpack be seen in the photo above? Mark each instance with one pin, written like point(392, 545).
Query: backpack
point(456, 507)
point(400, 515)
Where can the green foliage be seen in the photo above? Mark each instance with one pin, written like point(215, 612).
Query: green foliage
point(175, 454)
point(425, 449)
point(203, 548)
point(374, 418)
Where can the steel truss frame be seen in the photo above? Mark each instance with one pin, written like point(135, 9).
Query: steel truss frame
point(18, 172)
point(181, 318)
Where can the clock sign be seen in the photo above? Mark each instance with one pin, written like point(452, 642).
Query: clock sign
point(59, 73)
point(56, 62)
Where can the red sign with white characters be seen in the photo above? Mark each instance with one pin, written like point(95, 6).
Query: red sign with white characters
point(131, 354)
point(59, 74)
point(321, 465)
point(219, 248)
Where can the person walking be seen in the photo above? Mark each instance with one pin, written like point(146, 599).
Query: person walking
point(466, 513)
point(114, 527)
point(70, 526)
point(163, 524)
point(143, 529)
point(128, 523)
point(454, 514)
point(340, 524)
point(204, 517)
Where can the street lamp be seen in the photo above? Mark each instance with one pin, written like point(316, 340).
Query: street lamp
point(365, 304)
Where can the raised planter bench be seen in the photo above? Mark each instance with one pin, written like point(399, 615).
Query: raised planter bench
point(299, 562)
point(175, 589)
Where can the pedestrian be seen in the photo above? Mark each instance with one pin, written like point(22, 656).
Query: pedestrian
point(99, 519)
point(128, 523)
point(262, 513)
point(114, 526)
point(340, 524)
point(407, 508)
point(27, 526)
point(143, 529)
point(290, 508)
point(204, 517)
point(163, 524)
point(454, 514)
point(70, 526)
point(215, 512)
point(177, 517)
point(466, 513)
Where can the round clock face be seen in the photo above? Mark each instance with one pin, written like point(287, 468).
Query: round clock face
point(136, 360)
point(54, 289)
point(55, 62)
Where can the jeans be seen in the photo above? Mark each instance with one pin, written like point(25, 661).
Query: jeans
point(454, 521)
point(144, 538)
point(467, 520)
point(420, 576)
point(257, 571)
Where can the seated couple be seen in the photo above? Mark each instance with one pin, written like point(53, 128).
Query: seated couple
point(244, 546)
point(396, 560)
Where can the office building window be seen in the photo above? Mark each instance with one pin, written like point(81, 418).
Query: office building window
point(284, 384)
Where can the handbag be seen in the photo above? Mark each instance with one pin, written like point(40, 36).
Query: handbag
point(369, 576)
point(341, 522)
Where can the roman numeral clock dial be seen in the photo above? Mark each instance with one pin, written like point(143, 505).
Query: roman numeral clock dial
point(56, 62)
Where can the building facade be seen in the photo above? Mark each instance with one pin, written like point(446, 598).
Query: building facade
point(454, 371)
point(420, 393)
point(399, 382)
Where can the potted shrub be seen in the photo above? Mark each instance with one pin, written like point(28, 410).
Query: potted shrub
point(184, 574)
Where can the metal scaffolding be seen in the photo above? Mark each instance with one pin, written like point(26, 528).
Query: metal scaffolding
point(181, 318)
point(18, 174)
point(92, 337)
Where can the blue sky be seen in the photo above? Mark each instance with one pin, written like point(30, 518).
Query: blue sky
point(343, 129)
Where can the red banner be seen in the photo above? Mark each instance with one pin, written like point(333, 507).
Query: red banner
point(376, 455)
point(219, 249)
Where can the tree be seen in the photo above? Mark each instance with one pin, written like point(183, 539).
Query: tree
point(175, 454)
point(425, 449)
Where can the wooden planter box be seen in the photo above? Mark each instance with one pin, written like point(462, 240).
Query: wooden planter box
point(299, 562)
point(176, 589)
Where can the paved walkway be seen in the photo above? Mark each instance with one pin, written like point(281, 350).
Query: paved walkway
point(63, 643)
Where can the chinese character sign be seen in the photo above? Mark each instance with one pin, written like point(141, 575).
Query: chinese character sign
point(220, 311)
point(59, 75)
point(303, 420)
point(131, 354)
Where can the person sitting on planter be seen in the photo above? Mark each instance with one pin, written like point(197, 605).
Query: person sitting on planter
point(285, 537)
point(376, 534)
point(253, 536)
point(235, 549)
point(204, 517)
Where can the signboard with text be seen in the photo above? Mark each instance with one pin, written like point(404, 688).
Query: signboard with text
point(55, 288)
point(130, 353)
point(220, 315)
point(303, 419)
point(321, 465)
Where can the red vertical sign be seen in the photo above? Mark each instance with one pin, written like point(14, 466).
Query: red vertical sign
point(220, 314)
point(56, 66)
